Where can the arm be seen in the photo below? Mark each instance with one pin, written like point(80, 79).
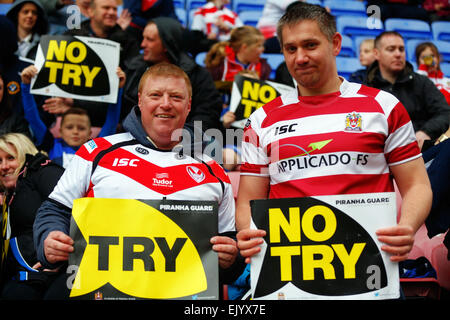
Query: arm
point(416, 203)
point(250, 187)
point(50, 233)
point(29, 106)
point(113, 115)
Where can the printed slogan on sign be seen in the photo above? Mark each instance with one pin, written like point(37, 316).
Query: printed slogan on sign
point(324, 248)
point(249, 94)
point(143, 249)
point(77, 67)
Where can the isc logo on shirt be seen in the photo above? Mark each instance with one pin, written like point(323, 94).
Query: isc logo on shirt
point(123, 162)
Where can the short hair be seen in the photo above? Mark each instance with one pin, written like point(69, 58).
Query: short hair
point(76, 111)
point(300, 11)
point(165, 69)
point(21, 143)
point(384, 34)
point(422, 46)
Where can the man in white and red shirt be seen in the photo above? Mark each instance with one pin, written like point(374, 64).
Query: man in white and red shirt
point(145, 162)
point(215, 20)
point(329, 137)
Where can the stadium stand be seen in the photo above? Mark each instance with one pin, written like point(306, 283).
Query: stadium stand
point(244, 5)
point(347, 65)
point(250, 17)
point(347, 47)
point(441, 30)
point(346, 7)
point(409, 28)
point(358, 26)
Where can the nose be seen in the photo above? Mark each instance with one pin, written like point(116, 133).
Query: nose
point(165, 100)
point(4, 165)
point(301, 57)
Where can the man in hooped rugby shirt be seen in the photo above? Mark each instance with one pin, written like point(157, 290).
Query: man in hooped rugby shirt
point(129, 165)
point(330, 137)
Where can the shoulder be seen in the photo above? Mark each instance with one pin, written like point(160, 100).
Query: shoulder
point(92, 148)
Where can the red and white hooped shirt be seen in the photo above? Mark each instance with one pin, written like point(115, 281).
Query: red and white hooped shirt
point(338, 143)
point(134, 171)
point(206, 16)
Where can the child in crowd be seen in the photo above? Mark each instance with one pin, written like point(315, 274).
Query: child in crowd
point(428, 59)
point(242, 52)
point(366, 58)
point(75, 127)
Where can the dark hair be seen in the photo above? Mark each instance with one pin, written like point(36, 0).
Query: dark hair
point(299, 11)
point(385, 33)
point(422, 46)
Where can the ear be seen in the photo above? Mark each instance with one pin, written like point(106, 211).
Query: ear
point(337, 43)
point(139, 100)
point(376, 53)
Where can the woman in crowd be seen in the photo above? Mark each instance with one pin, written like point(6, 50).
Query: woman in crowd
point(241, 52)
point(31, 22)
point(27, 177)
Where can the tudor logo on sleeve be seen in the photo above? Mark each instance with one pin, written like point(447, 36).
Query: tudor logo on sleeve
point(195, 173)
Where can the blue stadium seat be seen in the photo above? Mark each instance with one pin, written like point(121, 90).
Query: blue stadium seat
point(250, 17)
point(244, 5)
point(347, 65)
point(441, 30)
point(445, 68)
point(4, 7)
point(182, 16)
point(444, 49)
point(194, 4)
point(274, 60)
point(347, 48)
point(346, 7)
point(318, 2)
point(409, 28)
point(179, 4)
point(359, 26)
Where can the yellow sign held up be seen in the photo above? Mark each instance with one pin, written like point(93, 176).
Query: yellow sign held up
point(137, 249)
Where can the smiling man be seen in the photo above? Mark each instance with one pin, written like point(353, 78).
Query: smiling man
point(426, 106)
point(125, 166)
point(329, 137)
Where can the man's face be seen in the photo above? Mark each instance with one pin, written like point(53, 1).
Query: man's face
point(390, 53)
point(154, 50)
point(104, 13)
point(310, 57)
point(165, 104)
